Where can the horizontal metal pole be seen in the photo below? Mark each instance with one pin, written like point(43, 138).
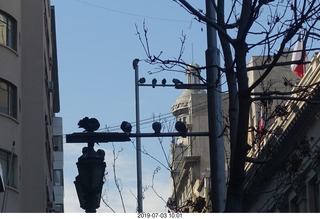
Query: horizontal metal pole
point(83, 137)
point(168, 134)
point(178, 86)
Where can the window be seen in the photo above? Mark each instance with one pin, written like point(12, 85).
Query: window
point(8, 31)
point(58, 208)
point(58, 177)
point(297, 201)
point(293, 202)
point(8, 98)
point(314, 194)
point(57, 142)
point(9, 170)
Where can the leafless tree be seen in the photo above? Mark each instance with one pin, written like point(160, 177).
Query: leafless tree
point(268, 26)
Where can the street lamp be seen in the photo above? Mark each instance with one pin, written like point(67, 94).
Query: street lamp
point(89, 182)
point(91, 165)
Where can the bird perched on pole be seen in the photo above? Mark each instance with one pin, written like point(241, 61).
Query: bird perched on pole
point(163, 82)
point(154, 82)
point(176, 81)
point(181, 128)
point(142, 80)
point(126, 127)
point(89, 125)
point(156, 126)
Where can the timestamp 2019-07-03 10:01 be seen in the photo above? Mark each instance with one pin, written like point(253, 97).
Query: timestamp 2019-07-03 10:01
point(159, 215)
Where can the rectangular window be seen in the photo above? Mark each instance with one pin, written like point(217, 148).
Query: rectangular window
point(8, 98)
point(8, 31)
point(293, 203)
point(3, 97)
point(58, 177)
point(3, 29)
point(9, 170)
point(314, 194)
point(58, 208)
point(57, 142)
point(297, 201)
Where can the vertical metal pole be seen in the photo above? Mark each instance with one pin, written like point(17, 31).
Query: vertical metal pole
point(217, 161)
point(138, 139)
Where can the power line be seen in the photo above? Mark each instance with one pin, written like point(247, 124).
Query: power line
point(132, 14)
point(198, 107)
point(148, 121)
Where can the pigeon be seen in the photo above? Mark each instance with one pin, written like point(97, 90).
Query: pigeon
point(142, 81)
point(156, 127)
point(126, 127)
point(181, 128)
point(164, 81)
point(89, 125)
point(154, 82)
point(176, 81)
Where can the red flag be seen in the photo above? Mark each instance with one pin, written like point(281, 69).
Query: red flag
point(261, 122)
point(298, 69)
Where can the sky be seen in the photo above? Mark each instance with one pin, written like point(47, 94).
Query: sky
point(97, 42)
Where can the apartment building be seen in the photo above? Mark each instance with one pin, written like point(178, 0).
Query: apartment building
point(30, 136)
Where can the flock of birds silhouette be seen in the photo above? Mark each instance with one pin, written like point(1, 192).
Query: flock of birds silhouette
point(163, 82)
point(92, 125)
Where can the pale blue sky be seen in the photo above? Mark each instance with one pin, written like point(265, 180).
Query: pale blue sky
point(97, 43)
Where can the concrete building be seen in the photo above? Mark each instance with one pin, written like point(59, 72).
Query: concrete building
point(190, 156)
point(29, 101)
point(262, 111)
point(287, 179)
point(283, 135)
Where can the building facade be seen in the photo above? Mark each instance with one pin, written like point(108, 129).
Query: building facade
point(287, 178)
point(29, 101)
point(262, 112)
point(283, 136)
point(190, 156)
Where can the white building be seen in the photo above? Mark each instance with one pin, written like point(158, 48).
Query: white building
point(288, 179)
point(190, 156)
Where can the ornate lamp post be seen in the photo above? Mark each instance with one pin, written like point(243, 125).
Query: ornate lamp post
point(91, 165)
point(89, 182)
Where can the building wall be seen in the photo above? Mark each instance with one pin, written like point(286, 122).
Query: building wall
point(289, 179)
point(273, 82)
point(191, 155)
point(58, 179)
point(28, 68)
